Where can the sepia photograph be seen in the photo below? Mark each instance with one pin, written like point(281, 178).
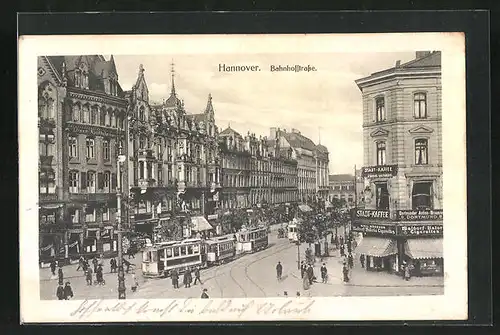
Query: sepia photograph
point(271, 182)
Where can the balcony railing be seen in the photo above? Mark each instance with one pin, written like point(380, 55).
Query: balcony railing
point(100, 197)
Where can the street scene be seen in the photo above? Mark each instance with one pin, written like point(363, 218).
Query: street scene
point(173, 183)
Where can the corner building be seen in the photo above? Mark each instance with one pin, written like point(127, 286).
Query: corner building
point(402, 219)
point(82, 123)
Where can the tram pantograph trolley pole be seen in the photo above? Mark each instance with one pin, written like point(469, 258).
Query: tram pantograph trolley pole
point(121, 272)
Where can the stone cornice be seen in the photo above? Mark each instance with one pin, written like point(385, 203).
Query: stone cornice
point(94, 130)
point(96, 97)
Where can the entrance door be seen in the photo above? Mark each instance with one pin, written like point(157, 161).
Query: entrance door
point(387, 263)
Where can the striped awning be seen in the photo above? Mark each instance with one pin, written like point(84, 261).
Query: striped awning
point(377, 247)
point(305, 208)
point(424, 248)
point(200, 223)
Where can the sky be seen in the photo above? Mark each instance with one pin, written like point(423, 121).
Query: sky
point(324, 105)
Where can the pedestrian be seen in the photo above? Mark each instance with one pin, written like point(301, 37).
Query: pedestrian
point(113, 265)
point(342, 251)
point(310, 274)
point(279, 270)
point(127, 264)
point(350, 261)
point(345, 273)
point(297, 294)
point(98, 275)
point(306, 283)
point(197, 276)
point(407, 272)
point(403, 269)
point(61, 276)
point(341, 240)
point(88, 275)
point(53, 267)
point(68, 291)
point(204, 295)
point(324, 273)
point(185, 279)
point(285, 294)
point(175, 278)
point(362, 260)
point(80, 263)
point(302, 269)
point(60, 292)
point(349, 249)
point(135, 284)
point(95, 262)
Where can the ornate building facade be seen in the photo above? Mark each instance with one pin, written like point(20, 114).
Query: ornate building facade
point(172, 158)
point(82, 113)
point(322, 171)
point(403, 162)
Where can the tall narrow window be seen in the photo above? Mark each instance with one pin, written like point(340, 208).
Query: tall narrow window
point(380, 109)
point(73, 146)
point(141, 113)
point(160, 174)
point(422, 196)
point(420, 105)
point(382, 196)
point(106, 183)
point(91, 182)
point(86, 114)
point(421, 152)
point(150, 169)
point(107, 120)
point(105, 150)
point(141, 170)
point(113, 119)
point(76, 113)
point(102, 118)
point(90, 142)
point(73, 182)
point(93, 115)
point(381, 153)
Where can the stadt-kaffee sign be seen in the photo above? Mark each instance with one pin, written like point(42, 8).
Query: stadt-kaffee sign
point(379, 171)
point(372, 214)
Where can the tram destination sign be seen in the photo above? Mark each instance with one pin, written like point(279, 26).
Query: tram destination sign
point(417, 215)
point(420, 230)
point(382, 229)
point(371, 214)
point(379, 171)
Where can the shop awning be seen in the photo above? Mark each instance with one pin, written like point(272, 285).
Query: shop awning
point(424, 248)
point(51, 206)
point(200, 223)
point(305, 208)
point(377, 247)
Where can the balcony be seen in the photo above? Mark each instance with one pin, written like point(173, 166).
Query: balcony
point(145, 153)
point(91, 197)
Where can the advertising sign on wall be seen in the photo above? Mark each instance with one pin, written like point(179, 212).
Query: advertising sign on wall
point(418, 215)
point(382, 229)
point(421, 230)
point(371, 214)
point(379, 171)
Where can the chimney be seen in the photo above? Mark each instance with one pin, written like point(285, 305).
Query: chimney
point(422, 54)
point(398, 63)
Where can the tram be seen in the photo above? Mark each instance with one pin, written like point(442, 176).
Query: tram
point(161, 259)
point(220, 249)
point(293, 232)
point(252, 240)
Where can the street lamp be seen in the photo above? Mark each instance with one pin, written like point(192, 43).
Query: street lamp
point(121, 274)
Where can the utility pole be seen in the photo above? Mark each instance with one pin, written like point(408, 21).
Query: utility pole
point(121, 274)
point(298, 254)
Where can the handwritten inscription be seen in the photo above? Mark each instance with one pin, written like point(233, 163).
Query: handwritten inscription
point(224, 307)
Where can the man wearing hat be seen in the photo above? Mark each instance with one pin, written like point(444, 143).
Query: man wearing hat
point(204, 295)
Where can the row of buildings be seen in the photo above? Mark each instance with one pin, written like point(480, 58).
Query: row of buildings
point(172, 161)
point(400, 210)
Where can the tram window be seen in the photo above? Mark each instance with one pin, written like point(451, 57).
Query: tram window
point(176, 251)
point(196, 249)
point(154, 256)
point(190, 250)
point(183, 251)
point(146, 256)
point(169, 252)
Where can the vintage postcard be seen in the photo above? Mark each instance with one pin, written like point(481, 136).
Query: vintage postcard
point(242, 177)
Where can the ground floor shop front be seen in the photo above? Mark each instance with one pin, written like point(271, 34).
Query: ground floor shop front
point(389, 249)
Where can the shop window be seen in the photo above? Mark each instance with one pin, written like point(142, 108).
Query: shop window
point(422, 196)
point(380, 109)
point(73, 182)
point(420, 106)
point(381, 153)
point(421, 152)
point(382, 196)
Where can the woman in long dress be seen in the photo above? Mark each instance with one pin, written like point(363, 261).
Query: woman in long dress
point(306, 283)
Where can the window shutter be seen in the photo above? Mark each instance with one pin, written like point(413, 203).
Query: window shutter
point(113, 182)
point(100, 181)
point(84, 180)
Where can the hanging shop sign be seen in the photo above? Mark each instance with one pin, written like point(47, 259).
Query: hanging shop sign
point(420, 230)
point(379, 171)
point(382, 229)
point(418, 215)
point(371, 214)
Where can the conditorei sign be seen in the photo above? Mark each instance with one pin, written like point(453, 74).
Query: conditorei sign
point(379, 171)
point(420, 229)
point(416, 215)
point(381, 229)
point(371, 214)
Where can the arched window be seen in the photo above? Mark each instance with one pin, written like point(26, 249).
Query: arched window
point(420, 105)
point(46, 101)
point(113, 119)
point(94, 115)
point(86, 114)
point(107, 121)
point(78, 78)
point(381, 153)
point(102, 116)
point(141, 170)
point(141, 113)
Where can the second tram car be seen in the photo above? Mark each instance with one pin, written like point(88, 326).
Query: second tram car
point(293, 232)
point(160, 259)
point(251, 240)
point(220, 249)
